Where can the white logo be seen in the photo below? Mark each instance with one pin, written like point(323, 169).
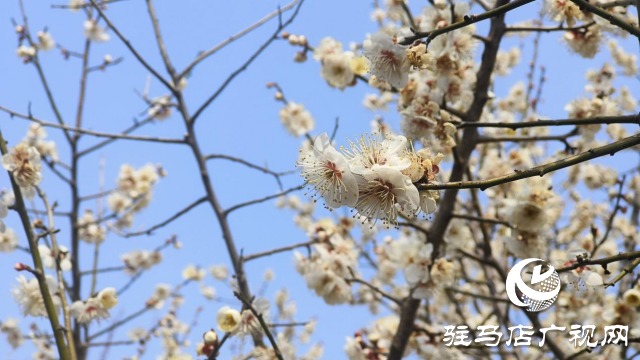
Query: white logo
point(547, 289)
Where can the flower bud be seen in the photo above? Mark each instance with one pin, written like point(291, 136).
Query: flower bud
point(21, 267)
point(210, 337)
point(293, 39)
point(300, 56)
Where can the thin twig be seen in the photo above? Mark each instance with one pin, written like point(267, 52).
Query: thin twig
point(278, 250)
point(266, 198)
point(91, 132)
point(169, 220)
point(213, 50)
point(264, 325)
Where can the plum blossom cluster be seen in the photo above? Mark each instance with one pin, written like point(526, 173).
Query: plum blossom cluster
point(29, 298)
point(96, 307)
point(24, 164)
point(374, 176)
point(134, 191)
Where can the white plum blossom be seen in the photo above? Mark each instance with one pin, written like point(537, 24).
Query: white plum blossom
point(370, 151)
point(26, 52)
point(387, 59)
point(296, 119)
point(329, 173)
point(385, 193)
point(24, 163)
point(336, 69)
point(45, 41)
point(219, 272)
point(228, 319)
point(95, 307)
point(29, 297)
point(95, 32)
point(8, 241)
point(49, 258)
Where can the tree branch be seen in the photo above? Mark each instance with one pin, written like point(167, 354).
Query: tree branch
point(541, 170)
point(58, 331)
point(91, 132)
point(127, 43)
point(206, 54)
point(627, 119)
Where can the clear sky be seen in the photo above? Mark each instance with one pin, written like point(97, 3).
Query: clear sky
point(242, 122)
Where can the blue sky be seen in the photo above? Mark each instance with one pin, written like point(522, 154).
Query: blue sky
point(243, 122)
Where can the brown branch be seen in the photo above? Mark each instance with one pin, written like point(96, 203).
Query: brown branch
point(265, 170)
point(266, 198)
point(610, 4)
point(613, 19)
point(375, 289)
point(602, 261)
point(541, 170)
point(281, 26)
point(91, 132)
point(407, 11)
point(104, 66)
point(119, 323)
point(61, 288)
point(626, 119)
point(444, 213)
point(58, 331)
point(264, 325)
point(43, 79)
point(127, 43)
point(482, 220)
point(85, 5)
point(468, 20)
point(623, 273)
point(103, 270)
point(278, 250)
point(206, 54)
point(561, 27)
point(480, 296)
point(169, 220)
point(127, 131)
point(616, 208)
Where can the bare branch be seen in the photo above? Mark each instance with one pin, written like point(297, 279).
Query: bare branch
point(375, 289)
point(627, 119)
point(265, 170)
point(213, 50)
point(61, 288)
point(613, 19)
point(169, 220)
point(560, 27)
point(244, 66)
point(482, 220)
point(541, 170)
point(602, 261)
point(129, 130)
point(278, 250)
point(91, 132)
point(266, 198)
point(127, 43)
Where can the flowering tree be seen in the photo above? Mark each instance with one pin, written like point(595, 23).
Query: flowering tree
point(422, 247)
